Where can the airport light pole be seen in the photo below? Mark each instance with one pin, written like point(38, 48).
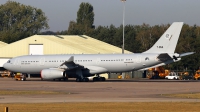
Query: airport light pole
point(123, 74)
point(123, 24)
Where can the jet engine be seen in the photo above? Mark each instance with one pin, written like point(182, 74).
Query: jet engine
point(52, 74)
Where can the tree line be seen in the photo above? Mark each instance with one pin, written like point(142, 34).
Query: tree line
point(18, 21)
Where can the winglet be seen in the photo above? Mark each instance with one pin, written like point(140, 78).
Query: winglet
point(168, 41)
point(70, 60)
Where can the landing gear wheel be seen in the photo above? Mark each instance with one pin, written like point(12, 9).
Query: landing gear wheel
point(78, 80)
point(85, 79)
point(102, 78)
point(95, 79)
point(65, 79)
point(99, 79)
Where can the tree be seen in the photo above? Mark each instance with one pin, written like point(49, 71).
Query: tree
point(85, 16)
point(18, 21)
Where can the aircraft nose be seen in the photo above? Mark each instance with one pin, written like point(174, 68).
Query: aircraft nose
point(5, 65)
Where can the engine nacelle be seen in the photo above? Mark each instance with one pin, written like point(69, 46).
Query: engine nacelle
point(52, 74)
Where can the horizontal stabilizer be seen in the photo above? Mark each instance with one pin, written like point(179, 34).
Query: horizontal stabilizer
point(185, 54)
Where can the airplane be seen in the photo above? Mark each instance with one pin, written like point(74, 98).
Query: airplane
point(82, 66)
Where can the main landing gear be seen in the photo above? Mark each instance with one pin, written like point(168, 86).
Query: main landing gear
point(80, 77)
point(85, 79)
point(98, 78)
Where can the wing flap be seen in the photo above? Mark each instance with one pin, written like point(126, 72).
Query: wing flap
point(96, 69)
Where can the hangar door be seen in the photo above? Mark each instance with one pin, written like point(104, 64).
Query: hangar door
point(2, 61)
point(35, 49)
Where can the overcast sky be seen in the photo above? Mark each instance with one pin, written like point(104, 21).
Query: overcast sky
point(107, 12)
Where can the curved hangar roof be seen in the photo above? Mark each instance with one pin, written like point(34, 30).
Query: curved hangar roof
point(59, 44)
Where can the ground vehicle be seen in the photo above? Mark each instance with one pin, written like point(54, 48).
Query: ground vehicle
point(5, 73)
point(197, 75)
point(157, 73)
point(185, 76)
point(20, 77)
point(172, 75)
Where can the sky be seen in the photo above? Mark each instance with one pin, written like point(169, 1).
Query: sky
point(107, 12)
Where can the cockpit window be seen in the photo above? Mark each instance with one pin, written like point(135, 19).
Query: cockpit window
point(8, 61)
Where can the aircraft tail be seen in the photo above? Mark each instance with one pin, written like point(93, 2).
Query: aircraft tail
point(168, 41)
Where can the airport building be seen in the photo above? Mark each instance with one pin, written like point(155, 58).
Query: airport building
point(55, 44)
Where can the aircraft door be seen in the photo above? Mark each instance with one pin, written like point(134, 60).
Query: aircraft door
point(98, 61)
point(138, 59)
point(42, 61)
point(17, 62)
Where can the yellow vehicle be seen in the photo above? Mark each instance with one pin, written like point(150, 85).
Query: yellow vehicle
point(157, 73)
point(20, 77)
point(125, 77)
point(5, 73)
point(197, 75)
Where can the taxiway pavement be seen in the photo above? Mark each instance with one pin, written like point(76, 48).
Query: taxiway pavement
point(134, 90)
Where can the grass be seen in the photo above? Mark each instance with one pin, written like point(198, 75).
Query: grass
point(17, 92)
point(100, 107)
point(105, 107)
point(191, 95)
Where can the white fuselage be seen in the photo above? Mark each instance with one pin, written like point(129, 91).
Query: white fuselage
point(33, 64)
